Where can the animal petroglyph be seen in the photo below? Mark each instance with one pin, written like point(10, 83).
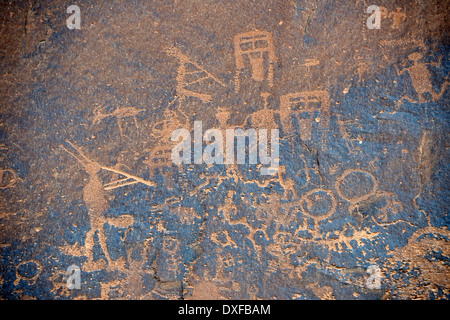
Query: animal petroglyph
point(256, 46)
point(349, 140)
point(119, 113)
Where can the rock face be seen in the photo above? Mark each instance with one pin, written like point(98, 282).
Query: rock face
point(354, 99)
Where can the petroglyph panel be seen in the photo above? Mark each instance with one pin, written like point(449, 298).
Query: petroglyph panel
point(353, 95)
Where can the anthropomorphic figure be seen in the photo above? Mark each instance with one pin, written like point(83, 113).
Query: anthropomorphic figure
point(95, 200)
point(421, 79)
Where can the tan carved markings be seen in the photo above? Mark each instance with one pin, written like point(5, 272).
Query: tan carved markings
point(160, 155)
point(308, 64)
point(95, 201)
point(362, 67)
point(135, 271)
point(8, 178)
point(168, 262)
point(32, 279)
point(190, 73)
point(350, 142)
point(344, 242)
point(187, 215)
point(307, 108)
point(287, 183)
point(97, 204)
point(421, 79)
point(398, 16)
point(228, 208)
point(256, 46)
point(434, 272)
point(351, 176)
point(119, 113)
point(313, 200)
point(391, 206)
point(357, 195)
point(264, 118)
point(307, 170)
point(402, 42)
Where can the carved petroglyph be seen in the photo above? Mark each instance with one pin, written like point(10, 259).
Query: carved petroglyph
point(264, 228)
point(384, 205)
point(389, 210)
point(159, 156)
point(362, 68)
point(119, 113)
point(309, 173)
point(355, 178)
point(190, 73)
point(168, 262)
point(135, 271)
point(421, 79)
point(348, 242)
point(162, 129)
point(424, 255)
point(257, 47)
point(398, 16)
point(306, 108)
point(401, 42)
point(313, 203)
point(308, 64)
point(96, 202)
point(229, 209)
point(173, 206)
point(264, 118)
point(288, 184)
point(8, 178)
point(349, 140)
point(24, 274)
